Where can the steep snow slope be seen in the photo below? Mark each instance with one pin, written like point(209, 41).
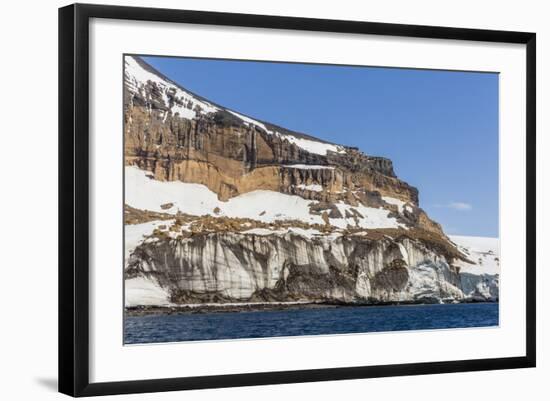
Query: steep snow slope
point(137, 76)
point(483, 251)
point(180, 101)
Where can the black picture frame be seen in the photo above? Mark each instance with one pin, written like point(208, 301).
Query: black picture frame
point(74, 199)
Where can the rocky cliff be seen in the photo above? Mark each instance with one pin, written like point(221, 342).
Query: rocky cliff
point(222, 208)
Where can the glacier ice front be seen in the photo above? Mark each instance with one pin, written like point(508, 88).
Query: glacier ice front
point(262, 265)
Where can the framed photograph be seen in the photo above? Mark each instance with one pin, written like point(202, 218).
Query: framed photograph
point(251, 199)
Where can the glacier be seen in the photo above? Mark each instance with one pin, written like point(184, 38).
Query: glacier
point(261, 265)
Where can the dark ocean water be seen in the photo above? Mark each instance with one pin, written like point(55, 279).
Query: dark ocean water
point(297, 322)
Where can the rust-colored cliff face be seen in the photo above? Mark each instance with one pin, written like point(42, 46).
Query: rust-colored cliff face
point(178, 136)
point(221, 207)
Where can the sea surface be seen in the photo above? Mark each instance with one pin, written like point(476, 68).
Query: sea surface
point(304, 322)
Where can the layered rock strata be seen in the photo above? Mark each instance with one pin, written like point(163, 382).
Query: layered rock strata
point(225, 208)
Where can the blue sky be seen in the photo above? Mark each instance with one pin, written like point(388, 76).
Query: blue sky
point(440, 128)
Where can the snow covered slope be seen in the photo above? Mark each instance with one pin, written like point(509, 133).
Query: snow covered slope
point(187, 105)
point(135, 234)
point(145, 193)
point(483, 251)
point(176, 99)
point(480, 281)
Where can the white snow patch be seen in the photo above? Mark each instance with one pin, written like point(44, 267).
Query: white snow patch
point(307, 233)
point(372, 217)
point(311, 187)
point(277, 206)
point(319, 148)
point(136, 77)
point(403, 251)
point(394, 201)
point(145, 193)
point(135, 234)
point(312, 146)
point(144, 292)
point(259, 231)
point(483, 251)
point(361, 233)
point(248, 120)
point(307, 167)
point(426, 280)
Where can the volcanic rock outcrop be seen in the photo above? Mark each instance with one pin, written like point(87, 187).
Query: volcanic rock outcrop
point(222, 207)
